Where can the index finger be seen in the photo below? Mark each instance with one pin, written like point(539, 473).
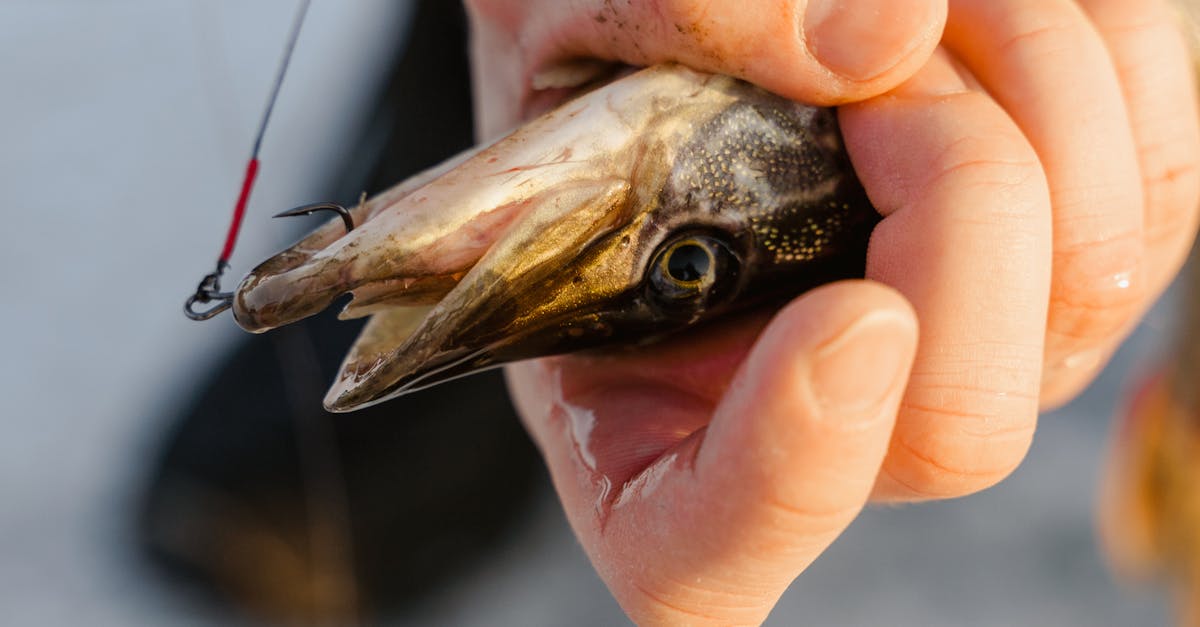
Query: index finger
point(966, 238)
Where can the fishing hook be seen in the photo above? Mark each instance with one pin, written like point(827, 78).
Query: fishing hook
point(305, 210)
point(209, 291)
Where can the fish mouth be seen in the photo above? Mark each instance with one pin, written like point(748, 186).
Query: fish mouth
point(486, 229)
point(348, 393)
point(372, 374)
point(513, 304)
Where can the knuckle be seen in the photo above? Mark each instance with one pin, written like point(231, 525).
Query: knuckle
point(1043, 40)
point(1171, 174)
point(986, 156)
point(930, 473)
point(1097, 289)
point(966, 440)
point(1040, 29)
point(815, 521)
point(1092, 318)
point(1134, 22)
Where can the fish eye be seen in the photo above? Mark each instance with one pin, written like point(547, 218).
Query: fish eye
point(691, 272)
point(688, 262)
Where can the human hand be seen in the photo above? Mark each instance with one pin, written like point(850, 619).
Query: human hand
point(1039, 185)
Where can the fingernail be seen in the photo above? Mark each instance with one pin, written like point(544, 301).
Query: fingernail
point(857, 369)
point(861, 39)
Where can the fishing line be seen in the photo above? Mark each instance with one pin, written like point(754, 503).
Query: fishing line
point(209, 289)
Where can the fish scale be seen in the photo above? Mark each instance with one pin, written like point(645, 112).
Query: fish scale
point(756, 189)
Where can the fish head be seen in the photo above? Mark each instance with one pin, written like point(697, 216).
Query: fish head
point(660, 201)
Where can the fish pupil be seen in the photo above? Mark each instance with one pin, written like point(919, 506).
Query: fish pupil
point(692, 273)
point(688, 263)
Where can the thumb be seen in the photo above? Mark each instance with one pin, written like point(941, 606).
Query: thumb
point(815, 51)
point(787, 462)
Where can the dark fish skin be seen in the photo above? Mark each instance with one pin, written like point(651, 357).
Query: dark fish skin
point(802, 217)
point(723, 197)
point(805, 222)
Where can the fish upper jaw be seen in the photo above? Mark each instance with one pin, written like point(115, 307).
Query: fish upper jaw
point(415, 242)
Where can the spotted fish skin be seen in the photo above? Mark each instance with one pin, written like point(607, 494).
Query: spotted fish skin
point(776, 172)
point(639, 210)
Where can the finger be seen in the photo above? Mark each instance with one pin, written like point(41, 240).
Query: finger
point(1155, 70)
point(818, 51)
point(1044, 62)
point(1152, 62)
point(716, 528)
point(966, 238)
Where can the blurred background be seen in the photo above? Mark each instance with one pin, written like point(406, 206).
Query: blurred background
point(158, 471)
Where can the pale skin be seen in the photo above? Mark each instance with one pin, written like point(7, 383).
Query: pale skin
point(1037, 163)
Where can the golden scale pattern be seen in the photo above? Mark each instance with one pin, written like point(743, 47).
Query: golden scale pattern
point(729, 182)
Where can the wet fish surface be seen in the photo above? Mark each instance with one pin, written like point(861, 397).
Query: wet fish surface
point(653, 204)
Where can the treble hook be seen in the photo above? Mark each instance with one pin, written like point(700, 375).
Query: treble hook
point(305, 210)
point(209, 291)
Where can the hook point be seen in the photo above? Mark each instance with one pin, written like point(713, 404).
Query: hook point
point(305, 210)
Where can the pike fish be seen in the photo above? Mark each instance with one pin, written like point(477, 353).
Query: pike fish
point(658, 202)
